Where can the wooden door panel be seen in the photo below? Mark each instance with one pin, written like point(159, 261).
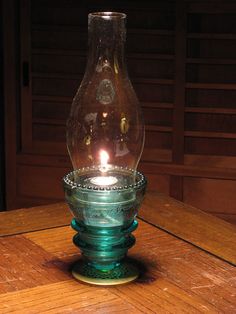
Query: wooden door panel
point(40, 181)
point(181, 59)
point(214, 196)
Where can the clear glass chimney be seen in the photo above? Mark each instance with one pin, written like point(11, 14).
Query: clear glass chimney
point(105, 125)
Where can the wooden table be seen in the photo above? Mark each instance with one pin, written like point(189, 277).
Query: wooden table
point(187, 260)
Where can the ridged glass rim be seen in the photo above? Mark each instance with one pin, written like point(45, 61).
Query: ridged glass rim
point(108, 15)
point(73, 185)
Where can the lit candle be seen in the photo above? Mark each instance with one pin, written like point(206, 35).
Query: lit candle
point(104, 180)
point(104, 157)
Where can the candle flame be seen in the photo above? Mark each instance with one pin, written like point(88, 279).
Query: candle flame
point(104, 157)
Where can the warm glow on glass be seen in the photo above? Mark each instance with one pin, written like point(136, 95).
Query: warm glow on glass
point(105, 137)
point(104, 157)
point(105, 116)
point(104, 180)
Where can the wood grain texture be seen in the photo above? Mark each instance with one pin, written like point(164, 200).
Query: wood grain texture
point(176, 277)
point(25, 265)
point(201, 229)
point(186, 222)
point(35, 218)
point(64, 297)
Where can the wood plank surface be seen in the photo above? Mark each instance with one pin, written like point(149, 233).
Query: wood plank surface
point(64, 297)
point(176, 277)
point(190, 224)
point(186, 222)
point(34, 218)
point(24, 265)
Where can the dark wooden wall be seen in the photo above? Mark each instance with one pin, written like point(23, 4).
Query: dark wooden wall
point(181, 59)
point(2, 168)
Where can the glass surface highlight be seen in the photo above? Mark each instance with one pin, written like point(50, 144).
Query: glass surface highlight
point(104, 220)
point(105, 115)
point(105, 138)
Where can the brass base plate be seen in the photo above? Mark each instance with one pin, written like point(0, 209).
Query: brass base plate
point(124, 273)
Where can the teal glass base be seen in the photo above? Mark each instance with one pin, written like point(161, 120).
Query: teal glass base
point(123, 273)
point(104, 220)
point(104, 251)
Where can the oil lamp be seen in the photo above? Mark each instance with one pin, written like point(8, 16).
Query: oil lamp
point(105, 138)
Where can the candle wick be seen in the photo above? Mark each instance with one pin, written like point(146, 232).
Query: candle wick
point(103, 168)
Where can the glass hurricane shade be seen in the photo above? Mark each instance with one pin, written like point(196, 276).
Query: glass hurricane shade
point(105, 125)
